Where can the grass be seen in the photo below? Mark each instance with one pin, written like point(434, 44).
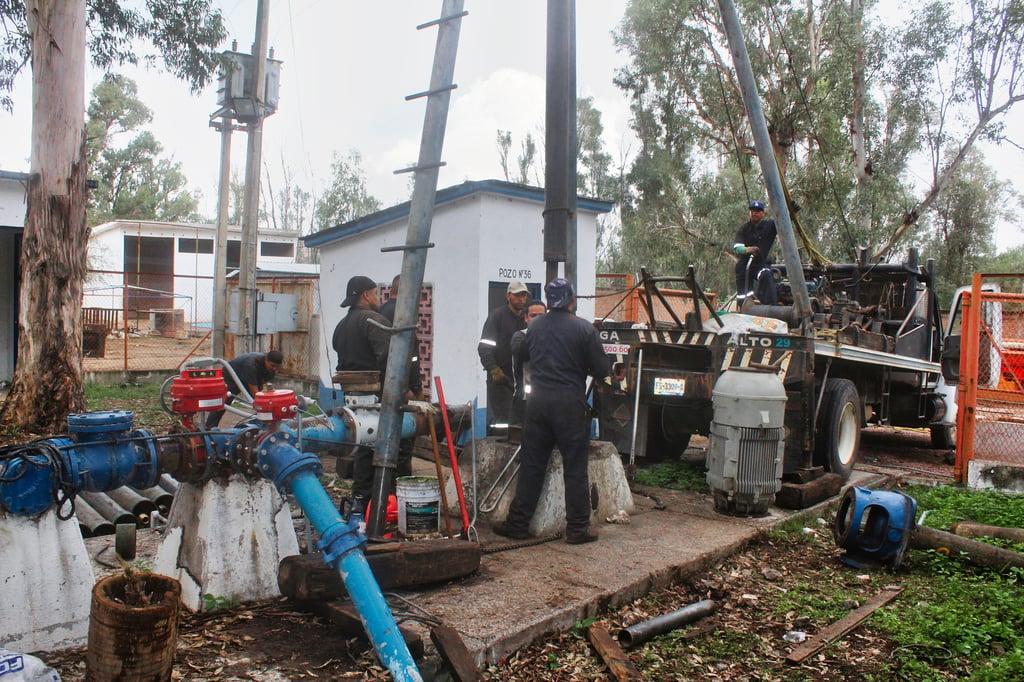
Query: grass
point(675, 475)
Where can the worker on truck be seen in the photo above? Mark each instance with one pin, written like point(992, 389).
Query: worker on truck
point(753, 242)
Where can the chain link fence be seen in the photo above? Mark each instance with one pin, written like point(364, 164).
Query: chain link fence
point(990, 412)
point(133, 328)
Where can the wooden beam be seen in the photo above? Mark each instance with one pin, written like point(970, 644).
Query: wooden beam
point(841, 627)
point(453, 651)
point(611, 653)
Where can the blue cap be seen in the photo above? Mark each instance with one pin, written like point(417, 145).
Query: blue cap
point(559, 292)
point(756, 205)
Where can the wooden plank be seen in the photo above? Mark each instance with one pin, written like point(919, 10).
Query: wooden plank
point(611, 653)
point(841, 627)
point(346, 618)
point(394, 565)
point(453, 651)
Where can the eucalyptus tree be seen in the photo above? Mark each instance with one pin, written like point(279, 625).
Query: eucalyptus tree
point(53, 35)
point(346, 197)
point(134, 180)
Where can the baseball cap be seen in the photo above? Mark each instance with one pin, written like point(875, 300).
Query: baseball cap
point(356, 286)
point(516, 287)
point(559, 292)
point(756, 205)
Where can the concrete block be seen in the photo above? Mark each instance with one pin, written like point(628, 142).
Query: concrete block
point(46, 578)
point(226, 539)
point(609, 488)
point(1008, 478)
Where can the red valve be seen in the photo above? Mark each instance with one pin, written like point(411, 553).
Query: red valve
point(198, 390)
point(275, 405)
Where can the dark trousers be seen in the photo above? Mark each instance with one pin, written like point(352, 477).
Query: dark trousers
point(562, 420)
point(213, 418)
point(362, 470)
point(499, 408)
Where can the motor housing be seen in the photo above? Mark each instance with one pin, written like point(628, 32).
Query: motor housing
point(747, 440)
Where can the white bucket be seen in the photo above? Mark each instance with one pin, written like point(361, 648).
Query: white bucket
point(419, 505)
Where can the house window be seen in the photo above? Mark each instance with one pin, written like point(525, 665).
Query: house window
point(278, 249)
point(186, 245)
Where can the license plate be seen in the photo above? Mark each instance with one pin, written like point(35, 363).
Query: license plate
point(669, 386)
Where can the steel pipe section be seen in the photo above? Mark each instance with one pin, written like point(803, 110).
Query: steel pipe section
point(641, 632)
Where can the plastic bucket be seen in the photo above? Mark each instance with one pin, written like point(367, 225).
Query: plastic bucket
point(419, 505)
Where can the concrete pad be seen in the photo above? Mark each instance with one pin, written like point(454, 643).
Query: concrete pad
point(528, 592)
point(1006, 477)
point(46, 577)
point(608, 484)
point(226, 539)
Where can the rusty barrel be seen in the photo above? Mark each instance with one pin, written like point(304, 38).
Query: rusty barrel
point(131, 640)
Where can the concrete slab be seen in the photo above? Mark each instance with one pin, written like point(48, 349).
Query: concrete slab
point(521, 595)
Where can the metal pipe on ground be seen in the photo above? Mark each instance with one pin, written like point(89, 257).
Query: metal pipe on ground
point(141, 506)
point(90, 521)
point(168, 483)
point(107, 508)
point(641, 632)
point(160, 497)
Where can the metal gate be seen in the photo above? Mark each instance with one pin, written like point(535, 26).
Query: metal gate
point(990, 400)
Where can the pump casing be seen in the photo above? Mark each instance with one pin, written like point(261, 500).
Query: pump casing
point(746, 443)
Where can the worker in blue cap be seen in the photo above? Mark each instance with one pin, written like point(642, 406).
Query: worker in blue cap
point(562, 350)
point(753, 242)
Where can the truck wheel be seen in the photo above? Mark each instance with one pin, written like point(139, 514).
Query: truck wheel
point(838, 434)
point(663, 443)
point(943, 437)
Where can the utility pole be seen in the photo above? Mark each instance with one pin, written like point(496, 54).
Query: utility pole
point(220, 264)
point(253, 159)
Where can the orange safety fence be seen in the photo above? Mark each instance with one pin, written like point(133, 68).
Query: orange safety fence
point(990, 397)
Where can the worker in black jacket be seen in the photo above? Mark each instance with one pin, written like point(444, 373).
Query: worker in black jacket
point(754, 241)
point(562, 350)
point(252, 369)
point(363, 346)
point(496, 355)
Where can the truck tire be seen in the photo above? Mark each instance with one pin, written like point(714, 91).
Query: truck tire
point(943, 437)
point(837, 439)
point(664, 443)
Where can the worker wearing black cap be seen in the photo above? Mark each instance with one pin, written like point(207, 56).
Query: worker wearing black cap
point(363, 346)
point(753, 241)
point(562, 350)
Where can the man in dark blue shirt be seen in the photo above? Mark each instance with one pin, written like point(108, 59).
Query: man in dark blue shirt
point(254, 370)
point(562, 351)
point(754, 240)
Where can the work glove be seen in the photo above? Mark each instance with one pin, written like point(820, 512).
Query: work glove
point(498, 376)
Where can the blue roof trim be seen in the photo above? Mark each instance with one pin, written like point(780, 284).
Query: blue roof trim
point(388, 215)
point(13, 175)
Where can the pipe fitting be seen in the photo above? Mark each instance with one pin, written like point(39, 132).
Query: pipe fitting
point(279, 460)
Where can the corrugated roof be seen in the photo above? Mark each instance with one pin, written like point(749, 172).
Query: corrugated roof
point(509, 189)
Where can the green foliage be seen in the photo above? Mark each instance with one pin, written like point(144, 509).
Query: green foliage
point(134, 181)
point(346, 197)
point(948, 504)
point(676, 475)
point(215, 603)
point(185, 34)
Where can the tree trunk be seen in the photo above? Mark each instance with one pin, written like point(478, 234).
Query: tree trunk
point(48, 381)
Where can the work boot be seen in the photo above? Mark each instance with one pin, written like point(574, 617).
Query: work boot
point(581, 538)
point(504, 530)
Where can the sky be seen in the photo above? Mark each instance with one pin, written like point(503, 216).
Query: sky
point(347, 67)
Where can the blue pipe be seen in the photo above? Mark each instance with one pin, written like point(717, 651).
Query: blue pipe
point(318, 436)
point(342, 545)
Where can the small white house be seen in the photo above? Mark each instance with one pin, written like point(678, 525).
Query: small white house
point(147, 265)
point(13, 198)
point(485, 233)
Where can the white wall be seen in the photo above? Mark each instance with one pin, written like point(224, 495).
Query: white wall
point(12, 215)
point(478, 238)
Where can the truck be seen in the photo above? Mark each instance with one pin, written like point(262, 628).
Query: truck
point(872, 353)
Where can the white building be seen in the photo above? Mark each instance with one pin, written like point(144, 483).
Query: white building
point(485, 234)
point(13, 196)
point(149, 265)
